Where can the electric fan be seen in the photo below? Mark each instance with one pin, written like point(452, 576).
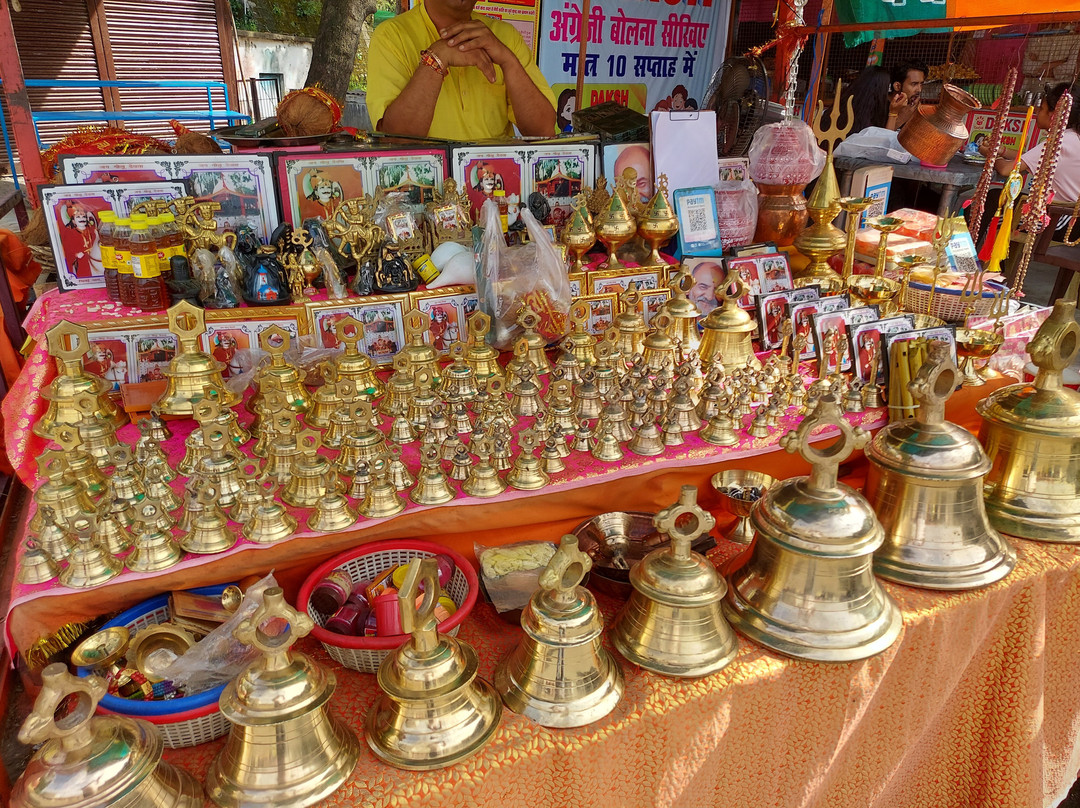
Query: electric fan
point(739, 95)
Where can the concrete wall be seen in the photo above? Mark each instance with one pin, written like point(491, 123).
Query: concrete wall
point(260, 52)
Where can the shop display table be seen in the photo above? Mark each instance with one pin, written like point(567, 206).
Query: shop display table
point(954, 178)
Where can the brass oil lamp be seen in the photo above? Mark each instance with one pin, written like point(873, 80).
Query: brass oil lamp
point(434, 710)
point(807, 588)
point(285, 747)
point(728, 329)
point(658, 224)
point(192, 370)
point(925, 482)
point(578, 235)
point(673, 623)
point(559, 674)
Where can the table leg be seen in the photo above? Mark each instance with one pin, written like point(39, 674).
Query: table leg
point(948, 200)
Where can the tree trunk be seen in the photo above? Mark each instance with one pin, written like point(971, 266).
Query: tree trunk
point(336, 43)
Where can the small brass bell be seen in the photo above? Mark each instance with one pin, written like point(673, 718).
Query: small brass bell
point(432, 487)
point(154, 549)
point(191, 371)
point(97, 436)
point(728, 329)
point(647, 441)
point(89, 564)
point(438, 428)
point(681, 407)
point(483, 480)
point(221, 468)
point(400, 389)
point(587, 402)
point(461, 463)
point(529, 321)
point(582, 437)
point(659, 347)
point(606, 447)
point(125, 483)
point(227, 418)
point(671, 433)
point(630, 322)
point(559, 674)
point(66, 497)
point(381, 499)
point(154, 459)
point(308, 481)
point(551, 460)
point(673, 622)
point(400, 475)
point(419, 355)
point(210, 531)
point(325, 400)
point(560, 404)
point(458, 378)
point(434, 710)
point(276, 342)
point(81, 465)
point(110, 531)
point(607, 378)
point(363, 443)
point(1030, 434)
point(807, 589)
point(419, 409)
point(54, 536)
point(526, 475)
point(68, 344)
point(526, 395)
point(154, 428)
point(340, 423)
point(352, 364)
point(521, 360)
point(284, 451)
point(89, 760)
point(720, 430)
point(159, 490)
point(194, 453)
point(479, 355)
point(683, 312)
point(582, 342)
point(35, 565)
point(925, 483)
point(285, 747)
point(332, 511)
point(269, 521)
point(567, 366)
point(501, 453)
point(360, 482)
point(249, 497)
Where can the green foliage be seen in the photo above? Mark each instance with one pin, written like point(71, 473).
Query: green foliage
point(308, 8)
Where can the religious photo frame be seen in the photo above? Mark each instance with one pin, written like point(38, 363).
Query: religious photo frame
point(840, 321)
point(559, 173)
point(617, 280)
point(602, 310)
point(764, 273)
point(382, 317)
point(866, 340)
point(449, 309)
point(232, 335)
point(773, 308)
point(802, 319)
point(652, 302)
point(481, 171)
point(417, 174)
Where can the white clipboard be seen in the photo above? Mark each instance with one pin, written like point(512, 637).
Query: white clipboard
point(684, 148)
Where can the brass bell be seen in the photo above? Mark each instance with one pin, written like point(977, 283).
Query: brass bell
point(332, 511)
point(458, 378)
point(125, 483)
point(582, 437)
point(673, 622)
point(438, 428)
point(419, 355)
point(587, 403)
point(807, 588)
point(192, 370)
point(249, 497)
point(154, 549)
point(401, 387)
point(110, 529)
point(94, 760)
point(154, 428)
point(728, 329)
point(559, 674)
point(659, 347)
point(630, 322)
point(578, 236)
point(360, 482)
point(925, 483)
point(54, 536)
point(581, 341)
point(67, 498)
point(35, 566)
point(521, 360)
point(606, 447)
point(501, 453)
point(1030, 434)
point(671, 433)
point(68, 344)
point(607, 377)
point(483, 480)
point(551, 459)
point(681, 407)
point(432, 487)
point(275, 341)
point(159, 490)
point(89, 564)
point(195, 451)
point(400, 475)
point(210, 531)
point(720, 431)
point(381, 498)
point(434, 710)
point(526, 402)
point(325, 400)
point(353, 364)
point(647, 441)
point(221, 468)
point(81, 466)
point(526, 475)
point(560, 404)
point(285, 747)
point(340, 423)
point(418, 412)
point(461, 462)
point(97, 436)
point(567, 366)
point(154, 459)
point(529, 321)
point(479, 355)
point(308, 481)
point(227, 418)
point(683, 312)
point(283, 451)
point(269, 521)
point(363, 443)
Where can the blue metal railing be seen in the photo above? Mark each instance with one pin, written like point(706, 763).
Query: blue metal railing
point(82, 116)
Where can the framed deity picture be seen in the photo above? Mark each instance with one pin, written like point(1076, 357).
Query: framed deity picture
point(602, 311)
point(620, 156)
point(616, 280)
point(865, 340)
point(316, 185)
point(449, 309)
point(708, 274)
point(416, 173)
point(652, 302)
point(772, 310)
point(243, 184)
point(577, 283)
point(383, 318)
point(483, 171)
point(734, 169)
point(232, 335)
point(830, 335)
point(139, 351)
point(126, 195)
point(110, 357)
point(767, 272)
point(802, 319)
point(559, 173)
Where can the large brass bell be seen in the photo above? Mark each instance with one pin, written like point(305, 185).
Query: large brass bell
point(559, 674)
point(418, 353)
point(683, 312)
point(673, 623)
point(479, 355)
point(276, 341)
point(87, 760)
point(192, 370)
point(925, 482)
point(89, 564)
point(727, 329)
point(808, 589)
point(1031, 433)
point(434, 710)
point(285, 747)
point(68, 344)
point(353, 364)
point(308, 481)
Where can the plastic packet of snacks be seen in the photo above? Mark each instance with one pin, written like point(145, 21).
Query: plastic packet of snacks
point(511, 572)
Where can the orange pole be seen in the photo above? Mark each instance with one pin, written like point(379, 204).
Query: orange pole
point(22, 121)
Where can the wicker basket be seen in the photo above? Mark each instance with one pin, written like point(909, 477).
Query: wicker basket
point(948, 304)
point(364, 563)
point(183, 722)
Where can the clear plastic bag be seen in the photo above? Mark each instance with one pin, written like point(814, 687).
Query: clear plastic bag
point(736, 211)
point(785, 153)
point(532, 275)
point(218, 657)
point(874, 143)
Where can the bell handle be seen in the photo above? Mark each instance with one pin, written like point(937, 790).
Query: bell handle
point(566, 570)
point(684, 522)
point(72, 729)
point(579, 315)
point(188, 322)
point(420, 620)
point(417, 324)
point(528, 318)
point(63, 348)
point(275, 341)
point(934, 383)
point(825, 461)
point(732, 279)
point(349, 330)
point(274, 610)
point(1055, 344)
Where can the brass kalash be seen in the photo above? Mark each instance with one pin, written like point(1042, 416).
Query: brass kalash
point(728, 329)
point(926, 484)
point(191, 371)
point(672, 623)
point(68, 344)
point(285, 747)
point(559, 675)
point(1032, 434)
point(434, 711)
point(807, 589)
point(88, 761)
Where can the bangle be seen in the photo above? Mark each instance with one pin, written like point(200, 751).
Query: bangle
point(434, 62)
point(894, 115)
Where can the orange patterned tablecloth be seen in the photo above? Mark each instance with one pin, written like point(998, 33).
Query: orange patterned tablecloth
point(975, 705)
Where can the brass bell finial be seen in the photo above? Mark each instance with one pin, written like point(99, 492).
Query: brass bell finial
point(94, 760)
point(559, 674)
point(285, 747)
point(672, 623)
point(807, 588)
point(192, 370)
point(434, 710)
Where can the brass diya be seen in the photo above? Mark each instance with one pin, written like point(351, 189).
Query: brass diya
point(807, 588)
point(871, 290)
point(1031, 433)
point(884, 225)
point(925, 482)
point(740, 490)
point(728, 329)
point(285, 746)
point(578, 235)
point(87, 761)
point(154, 647)
point(192, 370)
point(853, 206)
point(672, 623)
point(617, 225)
point(659, 224)
point(972, 344)
point(559, 674)
point(434, 711)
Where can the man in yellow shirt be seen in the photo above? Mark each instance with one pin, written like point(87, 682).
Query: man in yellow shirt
point(439, 70)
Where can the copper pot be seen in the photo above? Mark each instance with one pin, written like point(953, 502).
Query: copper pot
point(781, 213)
point(935, 136)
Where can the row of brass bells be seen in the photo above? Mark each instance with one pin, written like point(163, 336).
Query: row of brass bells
point(353, 364)
point(68, 343)
point(1032, 435)
point(192, 370)
point(559, 674)
point(808, 589)
point(434, 711)
point(673, 624)
point(728, 329)
point(925, 482)
point(284, 747)
point(87, 761)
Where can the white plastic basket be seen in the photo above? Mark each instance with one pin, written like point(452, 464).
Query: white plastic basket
point(948, 304)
